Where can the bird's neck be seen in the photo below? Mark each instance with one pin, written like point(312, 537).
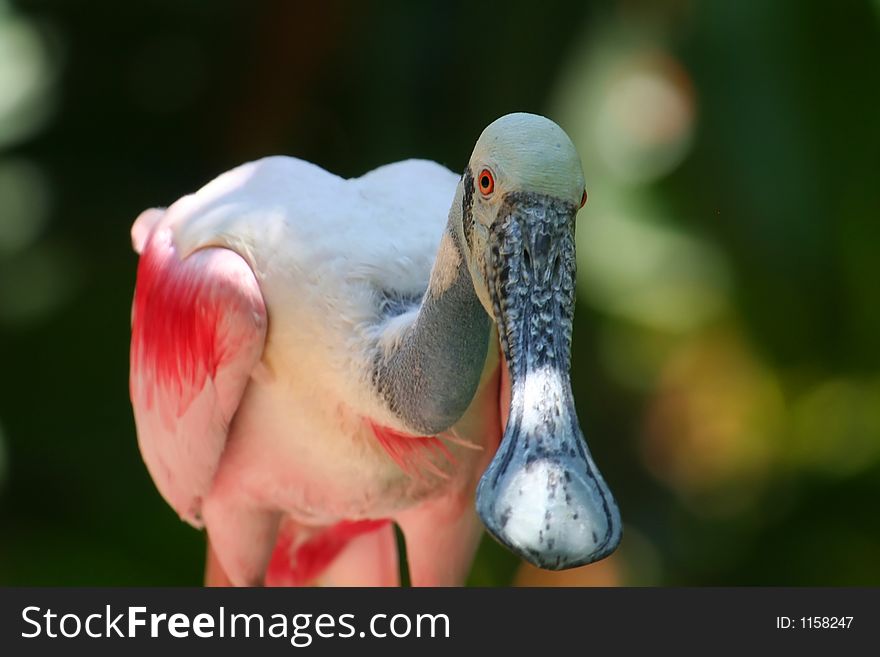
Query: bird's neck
point(429, 375)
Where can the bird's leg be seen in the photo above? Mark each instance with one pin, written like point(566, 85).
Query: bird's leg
point(214, 573)
point(368, 560)
point(241, 540)
point(441, 538)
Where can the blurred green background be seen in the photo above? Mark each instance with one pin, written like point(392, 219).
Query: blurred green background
point(726, 356)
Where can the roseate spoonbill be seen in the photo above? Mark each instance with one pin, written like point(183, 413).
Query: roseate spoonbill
point(314, 357)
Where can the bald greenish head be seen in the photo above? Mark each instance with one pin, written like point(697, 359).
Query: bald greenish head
point(542, 495)
point(530, 153)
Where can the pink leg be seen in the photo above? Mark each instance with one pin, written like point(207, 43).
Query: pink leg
point(214, 574)
point(441, 538)
point(368, 560)
point(241, 539)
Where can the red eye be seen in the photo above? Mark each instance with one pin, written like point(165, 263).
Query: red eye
point(486, 182)
point(584, 199)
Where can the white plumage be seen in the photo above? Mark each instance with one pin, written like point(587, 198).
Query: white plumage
point(322, 250)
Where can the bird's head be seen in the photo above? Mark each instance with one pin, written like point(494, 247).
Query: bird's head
point(541, 495)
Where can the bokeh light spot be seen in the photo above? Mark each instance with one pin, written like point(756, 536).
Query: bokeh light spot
point(27, 75)
point(649, 273)
point(710, 427)
point(25, 199)
point(836, 427)
point(645, 120)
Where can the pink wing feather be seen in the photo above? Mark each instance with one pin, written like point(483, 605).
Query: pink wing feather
point(198, 330)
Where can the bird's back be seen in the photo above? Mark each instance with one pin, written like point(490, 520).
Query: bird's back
point(383, 227)
point(336, 259)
